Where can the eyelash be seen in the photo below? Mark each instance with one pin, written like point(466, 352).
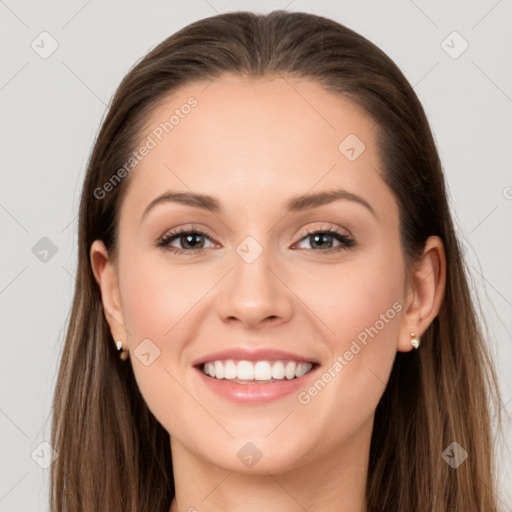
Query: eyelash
point(163, 243)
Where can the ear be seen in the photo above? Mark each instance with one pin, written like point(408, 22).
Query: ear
point(424, 292)
point(105, 273)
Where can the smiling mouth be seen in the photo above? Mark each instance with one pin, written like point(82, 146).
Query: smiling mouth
point(252, 372)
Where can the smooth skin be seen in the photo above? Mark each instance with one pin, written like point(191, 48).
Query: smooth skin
point(253, 144)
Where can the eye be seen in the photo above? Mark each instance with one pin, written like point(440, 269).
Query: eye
point(323, 240)
point(191, 241)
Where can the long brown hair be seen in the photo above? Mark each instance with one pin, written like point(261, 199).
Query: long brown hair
point(113, 454)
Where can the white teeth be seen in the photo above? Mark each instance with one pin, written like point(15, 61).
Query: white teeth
point(219, 370)
point(278, 370)
point(302, 369)
point(289, 371)
point(245, 370)
point(262, 370)
point(210, 369)
point(230, 370)
point(256, 370)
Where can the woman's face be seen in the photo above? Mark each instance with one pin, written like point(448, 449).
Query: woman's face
point(251, 285)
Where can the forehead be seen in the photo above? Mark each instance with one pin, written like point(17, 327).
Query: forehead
point(245, 139)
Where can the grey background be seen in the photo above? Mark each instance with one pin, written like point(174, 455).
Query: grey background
point(53, 107)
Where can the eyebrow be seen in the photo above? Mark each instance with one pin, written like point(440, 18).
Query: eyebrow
point(294, 204)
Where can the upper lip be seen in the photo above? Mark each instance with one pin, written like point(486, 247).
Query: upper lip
point(241, 354)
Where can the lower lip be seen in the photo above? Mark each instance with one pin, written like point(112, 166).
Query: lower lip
point(254, 392)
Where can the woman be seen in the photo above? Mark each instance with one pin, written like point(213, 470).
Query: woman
point(265, 238)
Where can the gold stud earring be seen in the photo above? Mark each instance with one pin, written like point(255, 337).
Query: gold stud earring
point(415, 341)
point(123, 354)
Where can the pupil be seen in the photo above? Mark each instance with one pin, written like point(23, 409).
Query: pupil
point(319, 237)
point(190, 239)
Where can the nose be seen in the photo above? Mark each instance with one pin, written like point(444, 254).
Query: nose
point(255, 294)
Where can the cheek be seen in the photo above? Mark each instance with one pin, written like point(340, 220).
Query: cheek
point(358, 299)
point(156, 295)
point(158, 302)
point(362, 310)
